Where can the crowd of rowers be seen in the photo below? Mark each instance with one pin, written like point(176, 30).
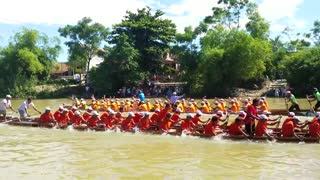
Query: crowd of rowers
point(169, 117)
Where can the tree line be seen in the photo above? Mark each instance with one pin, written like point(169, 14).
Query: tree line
point(216, 57)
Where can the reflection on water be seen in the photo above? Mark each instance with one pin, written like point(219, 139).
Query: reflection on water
point(65, 154)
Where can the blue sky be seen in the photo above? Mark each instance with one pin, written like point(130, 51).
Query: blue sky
point(48, 15)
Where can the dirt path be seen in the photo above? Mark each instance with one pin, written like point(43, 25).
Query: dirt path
point(270, 85)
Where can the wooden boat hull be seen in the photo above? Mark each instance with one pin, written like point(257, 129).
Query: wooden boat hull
point(278, 139)
point(24, 123)
point(303, 112)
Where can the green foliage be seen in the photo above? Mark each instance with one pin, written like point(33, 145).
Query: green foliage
point(149, 34)
point(29, 57)
point(228, 14)
point(120, 68)
point(84, 42)
point(229, 59)
point(301, 69)
point(257, 25)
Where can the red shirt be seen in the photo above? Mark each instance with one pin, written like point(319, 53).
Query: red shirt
point(127, 124)
point(288, 129)
point(210, 128)
point(63, 119)
point(314, 120)
point(235, 129)
point(77, 120)
point(144, 124)
point(92, 121)
point(175, 118)
point(137, 118)
point(70, 114)
point(154, 118)
point(164, 125)
point(104, 116)
point(110, 121)
point(314, 129)
point(261, 128)
point(46, 118)
point(162, 114)
point(195, 120)
point(57, 114)
point(86, 115)
point(251, 110)
point(187, 125)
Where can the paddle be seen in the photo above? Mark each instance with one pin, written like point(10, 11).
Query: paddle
point(285, 101)
point(311, 108)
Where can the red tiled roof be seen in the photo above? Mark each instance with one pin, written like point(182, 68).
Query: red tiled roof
point(60, 68)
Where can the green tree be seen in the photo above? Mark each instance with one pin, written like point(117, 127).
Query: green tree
point(120, 68)
point(257, 25)
point(230, 59)
point(84, 41)
point(29, 57)
point(301, 69)
point(149, 34)
point(228, 13)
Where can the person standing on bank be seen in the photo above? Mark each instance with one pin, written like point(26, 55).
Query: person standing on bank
point(294, 103)
point(4, 105)
point(141, 95)
point(252, 115)
point(23, 109)
point(315, 97)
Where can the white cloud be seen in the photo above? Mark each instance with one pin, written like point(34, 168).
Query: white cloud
point(190, 12)
point(66, 11)
point(183, 13)
point(281, 13)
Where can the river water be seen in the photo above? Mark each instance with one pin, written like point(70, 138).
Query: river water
point(35, 153)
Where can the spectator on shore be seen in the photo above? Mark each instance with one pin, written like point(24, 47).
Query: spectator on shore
point(141, 95)
point(174, 98)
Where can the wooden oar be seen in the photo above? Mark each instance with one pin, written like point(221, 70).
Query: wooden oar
point(285, 101)
point(311, 108)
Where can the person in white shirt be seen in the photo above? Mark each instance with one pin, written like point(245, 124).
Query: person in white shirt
point(4, 105)
point(23, 109)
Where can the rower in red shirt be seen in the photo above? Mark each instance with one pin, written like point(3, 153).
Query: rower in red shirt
point(58, 112)
point(111, 121)
point(236, 128)
point(137, 117)
point(47, 119)
point(289, 118)
point(289, 127)
point(261, 128)
point(314, 128)
point(195, 120)
point(252, 115)
point(144, 123)
point(212, 128)
point(63, 119)
point(78, 120)
point(86, 115)
point(315, 119)
point(164, 112)
point(175, 118)
point(93, 120)
point(154, 117)
point(187, 124)
point(71, 112)
point(163, 125)
point(127, 124)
